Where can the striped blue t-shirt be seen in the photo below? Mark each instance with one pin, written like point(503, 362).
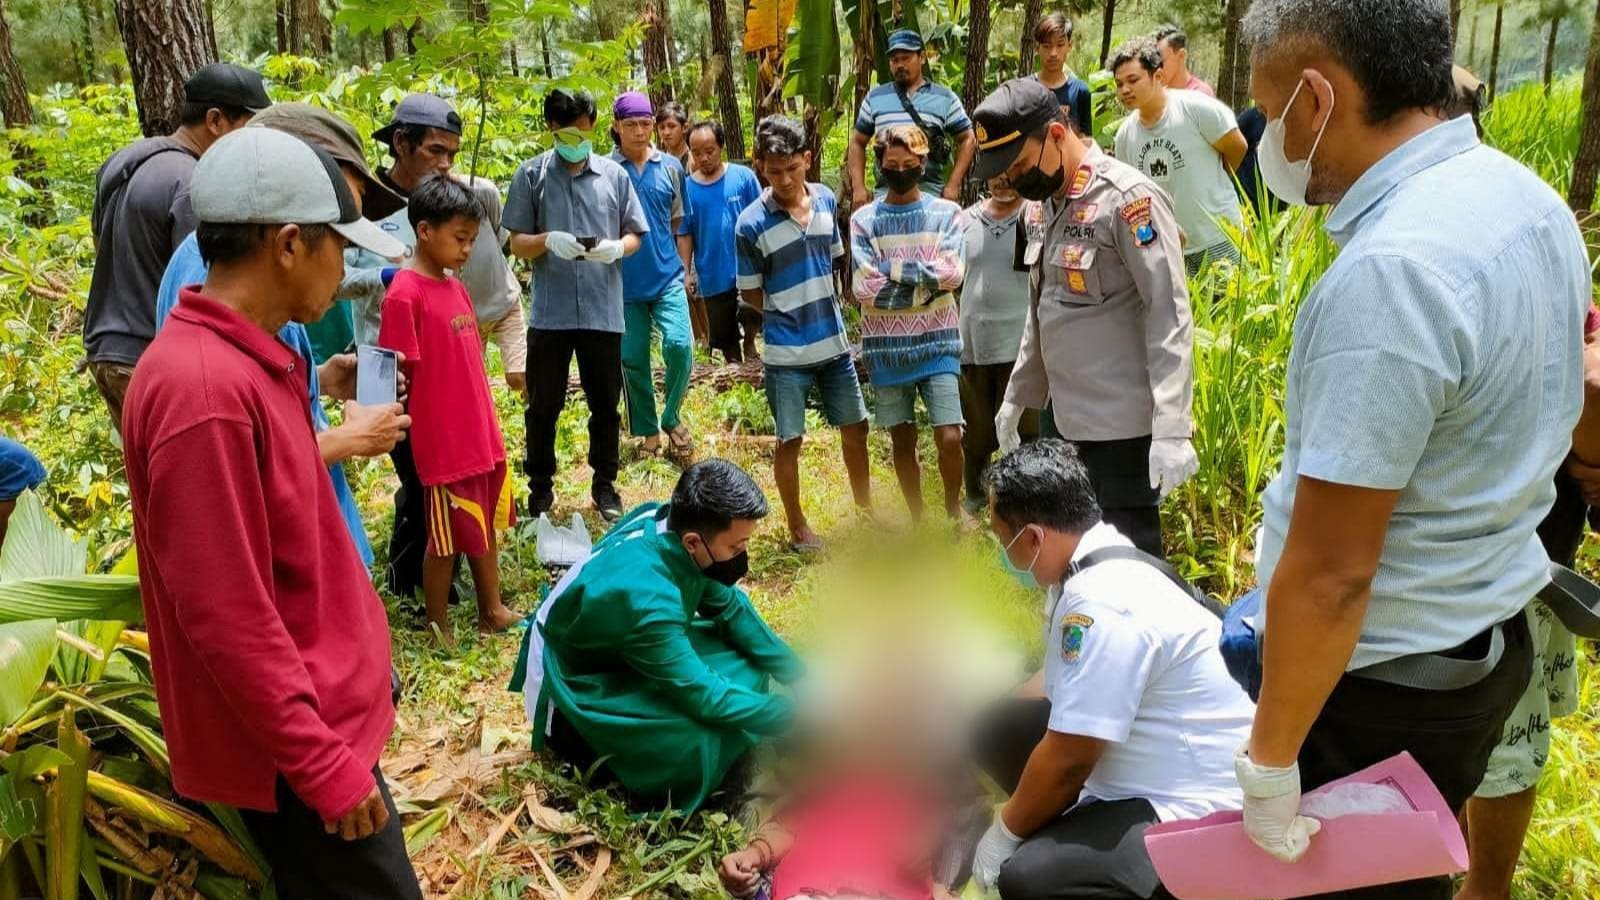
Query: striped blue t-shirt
point(937, 106)
point(793, 267)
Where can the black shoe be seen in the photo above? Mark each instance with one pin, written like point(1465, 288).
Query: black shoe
point(608, 502)
point(540, 501)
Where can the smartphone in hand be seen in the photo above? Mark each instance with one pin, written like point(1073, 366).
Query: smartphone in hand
point(377, 371)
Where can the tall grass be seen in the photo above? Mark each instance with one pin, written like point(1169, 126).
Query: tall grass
point(1540, 131)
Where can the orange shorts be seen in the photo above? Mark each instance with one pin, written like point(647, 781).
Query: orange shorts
point(463, 515)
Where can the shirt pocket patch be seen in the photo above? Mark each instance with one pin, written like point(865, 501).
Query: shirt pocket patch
point(1074, 279)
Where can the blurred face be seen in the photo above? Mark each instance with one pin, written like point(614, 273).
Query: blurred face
point(906, 67)
point(704, 151)
point(311, 271)
point(670, 132)
point(635, 134)
point(1001, 190)
point(1136, 87)
point(1174, 65)
point(1053, 55)
point(435, 153)
point(449, 243)
point(787, 176)
point(218, 123)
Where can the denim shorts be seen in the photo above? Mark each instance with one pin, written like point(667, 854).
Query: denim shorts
point(789, 386)
point(897, 404)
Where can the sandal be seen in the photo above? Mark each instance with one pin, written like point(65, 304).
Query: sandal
point(680, 444)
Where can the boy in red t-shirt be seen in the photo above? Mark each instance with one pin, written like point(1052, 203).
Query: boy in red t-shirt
point(455, 436)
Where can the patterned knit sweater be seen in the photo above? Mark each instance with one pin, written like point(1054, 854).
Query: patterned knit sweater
point(908, 261)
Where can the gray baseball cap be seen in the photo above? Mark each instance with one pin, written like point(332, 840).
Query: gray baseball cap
point(420, 109)
point(261, 176)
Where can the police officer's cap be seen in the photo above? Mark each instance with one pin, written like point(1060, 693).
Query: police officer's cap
point(1005, 119)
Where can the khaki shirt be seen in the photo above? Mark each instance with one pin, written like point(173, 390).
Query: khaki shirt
point(1108, 335)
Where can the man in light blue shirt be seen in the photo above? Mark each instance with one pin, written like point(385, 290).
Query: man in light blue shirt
point(718, 192)
point(1433, 385)
point(911, 99)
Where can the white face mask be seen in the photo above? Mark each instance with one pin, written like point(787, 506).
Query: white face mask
point(1287, 180)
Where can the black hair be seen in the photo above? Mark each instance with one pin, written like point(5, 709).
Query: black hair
point(1056, 24)
point(192, 113)
point(438, 199)
point(780, 136)
point(1142, 50)
point(221, 244)
point(1043, 483)
point(716, 130)
point(1173, 35)
point(563, 107)
point(713, 494)
point(672, 109)
point(414, 136)
point(1399, 51)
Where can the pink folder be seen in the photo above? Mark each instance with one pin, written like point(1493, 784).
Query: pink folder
point(1213, 859)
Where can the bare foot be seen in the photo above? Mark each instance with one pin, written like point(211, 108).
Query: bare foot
point(497, 618)
point(804, 539)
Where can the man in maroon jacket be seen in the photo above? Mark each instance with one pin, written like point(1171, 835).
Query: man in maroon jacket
point(269, 647)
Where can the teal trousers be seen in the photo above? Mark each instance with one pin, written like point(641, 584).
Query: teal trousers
point(669, 315)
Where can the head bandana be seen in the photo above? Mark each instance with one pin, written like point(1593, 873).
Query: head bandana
point(632, 105)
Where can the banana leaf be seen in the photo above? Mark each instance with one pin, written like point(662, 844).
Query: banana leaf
point(63, 834)
point(68, 597)
point(422, 832)
point(158, 814)
point(25, 649)
point(36, 547)
point(89, 868)
point(813, 64)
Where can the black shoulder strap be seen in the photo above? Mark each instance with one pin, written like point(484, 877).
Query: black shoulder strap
point(1105, 554)
point(911, 110)
point(108, 188)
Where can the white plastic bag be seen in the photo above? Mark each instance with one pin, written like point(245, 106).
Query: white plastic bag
point(1354, 799)
point(558, 546)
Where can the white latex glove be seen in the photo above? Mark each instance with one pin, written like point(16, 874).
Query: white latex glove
point(1006, 422)
point(605, 252)
point(1272, 807)
point(997, 846)
point(563, 245)
point(1172, 461)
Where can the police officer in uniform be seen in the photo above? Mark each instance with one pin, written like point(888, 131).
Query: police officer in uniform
point(1108, 336)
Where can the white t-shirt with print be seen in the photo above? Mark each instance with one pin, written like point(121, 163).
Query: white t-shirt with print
point(1132, 660)
point(1178, 153)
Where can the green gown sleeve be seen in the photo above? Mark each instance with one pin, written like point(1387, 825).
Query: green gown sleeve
point(744, 628)
point(660, 651)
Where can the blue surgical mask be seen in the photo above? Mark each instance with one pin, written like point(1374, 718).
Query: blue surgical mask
point(1024, 577)
point(573, 145)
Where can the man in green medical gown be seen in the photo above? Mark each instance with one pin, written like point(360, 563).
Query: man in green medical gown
point(646, 655)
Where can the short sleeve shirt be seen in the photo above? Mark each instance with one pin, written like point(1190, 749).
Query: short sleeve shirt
point(1133, 661)
point(1077, 99)
point(455, 433)
point(994, 297)
point(655, 267)
point(938, 107)
point(1178, 153)
point(1440, 356)
point(713, 212)
point(20, 470)
point(793, 267)
point(596, 201)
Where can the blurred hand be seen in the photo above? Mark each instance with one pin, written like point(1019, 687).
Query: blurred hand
point(373, 430)
point(605, 252)
point(1588, 479)
point(1006, 424)
point(859, 196)
point(691, 283)
point(337, 376)
point(517, 381)
point(563, 245)
point(367, 819)
point(952, 191)
point(740, 872)
point(1272, 807)
point(997, 846)
point(1172, 461)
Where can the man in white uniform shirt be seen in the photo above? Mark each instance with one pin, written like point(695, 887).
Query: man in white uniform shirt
point(1138, 719)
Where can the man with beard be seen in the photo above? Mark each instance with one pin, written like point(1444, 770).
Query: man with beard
point(913, 100)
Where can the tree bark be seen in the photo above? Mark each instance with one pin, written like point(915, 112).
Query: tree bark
point(411, 36)
point(1550, 53)
point(1586, 164)
point(727, 94)
point(656, 65)
point(544, 48)
point(280, 18)
point(1030, 19)
point(388, 44)
point(296, 27)
point(14, 105)
point(83, 48)
point(319, 31)
point(1105, 36)
point(166, 42)
point(1494, 50)
point(977, 55)
point(1234, 76)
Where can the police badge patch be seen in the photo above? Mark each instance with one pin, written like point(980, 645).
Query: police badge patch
point(1085, 213)
point(1140, 223)
point(1074, 629)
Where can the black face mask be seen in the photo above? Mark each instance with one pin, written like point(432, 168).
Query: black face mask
point(727, 571)
point(1034, 184)
point(902, 180)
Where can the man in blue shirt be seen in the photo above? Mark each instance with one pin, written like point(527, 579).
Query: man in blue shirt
point(718, 193)
point(653, 294)
point(787, 242)
point(1052, 39)
point(20, 471)
point(937, 111)
point(366, 431)
point(1433, 386)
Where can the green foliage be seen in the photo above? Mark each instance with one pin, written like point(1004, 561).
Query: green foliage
point(1540, 131)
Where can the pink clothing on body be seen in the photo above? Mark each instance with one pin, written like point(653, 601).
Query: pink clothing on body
point(859, 838)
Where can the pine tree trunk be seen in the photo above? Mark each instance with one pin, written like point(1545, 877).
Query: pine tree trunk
point(511, 57)
point(727, 94)
point(280, 18)
point(85, 43)
point(1586, 165)
point(544, 48)
point(388, 44)
point(1494, 50)
point(296, 27)
point(166, 43)
point(1105, 37)
point(14, 105)
point(411, 37)
point(656, 65)
point(1550, 54)
point(1234, 77)
point(1030, 20)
